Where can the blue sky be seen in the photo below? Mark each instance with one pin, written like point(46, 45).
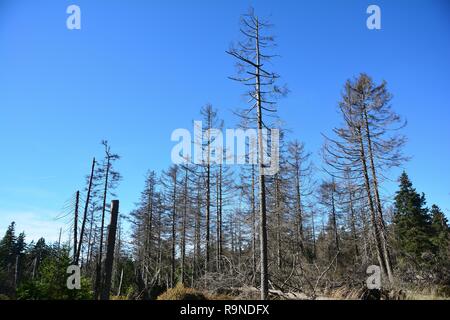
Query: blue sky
point(137, 70)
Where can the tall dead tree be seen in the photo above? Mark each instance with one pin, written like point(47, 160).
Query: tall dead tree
point(278, 214)
point(384, 149)
point(75, 227)
point(351, 191)
point(300, 170)
point(85, 212)
point(110, 178)
point(106, 287)
point(328, 198)
point(348, 151)
point(365, 144)
point(170, 183)
point(253, 219)
point(198, 227)
point(219, 239)
point(210, 122)
point(224, 188)
point(250, 55)
point(184, 222)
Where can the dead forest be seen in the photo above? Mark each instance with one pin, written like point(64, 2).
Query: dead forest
point(218, 231)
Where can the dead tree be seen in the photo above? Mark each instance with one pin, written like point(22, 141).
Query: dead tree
point(328, 195)
point(75, 227)
point(210, 122)
point(184, 222)
point(250, 55)
point(197, 228)
point(300, 170)
point(85, 212)
point(106, 287)
point(170, 183)
point(377, 120)
point(366, 145)
point(110, 178)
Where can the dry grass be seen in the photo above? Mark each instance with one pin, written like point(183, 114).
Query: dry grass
point(180, 292)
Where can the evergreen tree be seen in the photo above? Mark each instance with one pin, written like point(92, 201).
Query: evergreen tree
point(51, 284)
point(7, 259)
point(412, 221)
point(8, 247)
point(441, 234)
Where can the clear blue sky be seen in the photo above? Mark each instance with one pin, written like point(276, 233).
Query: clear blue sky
point(137, 70)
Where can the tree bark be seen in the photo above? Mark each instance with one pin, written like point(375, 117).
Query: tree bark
point(75, 227)
point(174, 222)
point(183, 231)
point(262, 180)
point(98, 278)
point(379, 207)
point(106, 286)
point(370, 202)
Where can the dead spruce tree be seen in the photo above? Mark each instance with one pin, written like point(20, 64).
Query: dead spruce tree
point(328, 195)
point(110, 178)
point(85, 211)
point(143, 225)
point(368, 144)
point(210, 122)
point(187, 200)
point(170, 181)
point(299, 168)
point(251, 57)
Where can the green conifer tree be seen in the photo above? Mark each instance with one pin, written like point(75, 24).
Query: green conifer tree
point(412, 222)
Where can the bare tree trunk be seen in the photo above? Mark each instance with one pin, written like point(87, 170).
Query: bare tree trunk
point(380, 220)
point(197, 244)
point(352, 222)
point(262, 179)
point(183, 231)
point(98, 278)
point(148, 247)
point(174, 221)
point(106, 286)
point(86, 206)
point(59, 238)
point(254, 225)
point(159, 246)
point(90, 244)
point(313, 234)
point(278, 216)
point(219, 218)
point(75, 227)
point(299, 210)
point(233, 241)
point(373, 219)
point(239, 242)
point(333, 215)
point(208, 211)
point(119, 290)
